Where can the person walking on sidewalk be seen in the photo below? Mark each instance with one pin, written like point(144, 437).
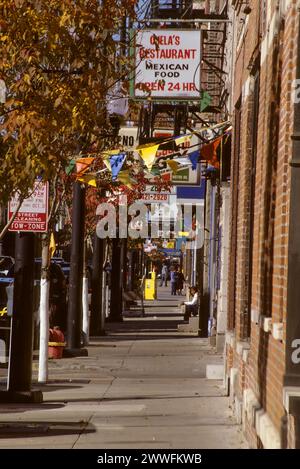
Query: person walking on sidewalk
point(164, 275)
point(174, 280)
point(180, 282)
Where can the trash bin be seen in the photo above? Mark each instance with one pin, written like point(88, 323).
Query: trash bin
point(150, 287)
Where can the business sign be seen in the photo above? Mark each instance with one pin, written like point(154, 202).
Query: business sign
point(128, 138)
point(167, 64)
point(153, 196)
point(33, 213)
point(185, 175)
point(191, 194)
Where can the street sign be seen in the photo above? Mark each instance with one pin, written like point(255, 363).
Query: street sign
point(168, 63)
point(33, 213)
point(128, 138)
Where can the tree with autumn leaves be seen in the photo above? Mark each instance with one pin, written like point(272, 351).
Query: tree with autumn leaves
point(58, 62)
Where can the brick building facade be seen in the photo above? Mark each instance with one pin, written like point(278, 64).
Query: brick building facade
point(262, 323)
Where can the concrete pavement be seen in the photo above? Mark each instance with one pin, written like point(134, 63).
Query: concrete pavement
point(142, 386)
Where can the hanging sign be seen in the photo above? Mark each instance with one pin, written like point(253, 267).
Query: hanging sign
point(33, 213)
point(167, 64)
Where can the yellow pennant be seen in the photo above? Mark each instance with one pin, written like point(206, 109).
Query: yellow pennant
point(173, 165)
point(88, 179)
point(52, 245)
point(148, 154)
point(125, 178)
point(183, 139)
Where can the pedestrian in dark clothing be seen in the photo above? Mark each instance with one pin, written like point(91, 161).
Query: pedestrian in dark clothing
point(180, 282)
point(174, 281)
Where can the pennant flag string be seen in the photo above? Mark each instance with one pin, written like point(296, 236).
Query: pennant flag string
point(180, 138)
point(114, 159)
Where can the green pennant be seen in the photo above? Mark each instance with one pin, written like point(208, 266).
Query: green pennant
point(155, 171)
point(205, 100)
point(70, 167)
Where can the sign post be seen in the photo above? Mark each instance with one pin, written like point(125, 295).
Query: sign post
point(32, 216)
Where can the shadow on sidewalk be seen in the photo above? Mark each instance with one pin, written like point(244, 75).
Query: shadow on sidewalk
point(19, 408)
point(40, 428)
point(139, 398)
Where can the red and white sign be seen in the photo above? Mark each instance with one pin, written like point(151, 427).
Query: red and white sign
point(33, 213)
point(168, 63)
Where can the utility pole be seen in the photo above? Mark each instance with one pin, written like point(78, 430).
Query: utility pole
point(21, 341)
point(75, 284)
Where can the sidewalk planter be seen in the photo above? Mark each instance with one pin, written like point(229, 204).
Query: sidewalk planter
point(56, 343)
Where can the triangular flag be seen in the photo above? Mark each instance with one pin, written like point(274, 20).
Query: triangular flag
point(52, 245)
point(88, 179)
point(173, 165)
point(194, 158)
point(108, 153)
point(183, 139)
point(205, 100)
point(125, 178)
point(209, 152)
point(116, 163)
point(155, 172)
point(107, 163)
point(148, 153)
point(70, 167)
point(82, 164)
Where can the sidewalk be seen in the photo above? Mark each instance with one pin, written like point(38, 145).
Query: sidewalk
point(142, 386)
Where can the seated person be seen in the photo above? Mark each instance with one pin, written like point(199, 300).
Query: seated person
point(191, 307)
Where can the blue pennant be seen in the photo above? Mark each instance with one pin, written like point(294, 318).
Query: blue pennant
point(194, 159)
point(116, 163)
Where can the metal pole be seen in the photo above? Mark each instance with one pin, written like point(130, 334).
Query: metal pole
point(97, 279)
point(21, 346)
point(75, 284)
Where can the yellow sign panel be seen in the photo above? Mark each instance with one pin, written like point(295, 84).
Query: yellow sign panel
point(170, 244)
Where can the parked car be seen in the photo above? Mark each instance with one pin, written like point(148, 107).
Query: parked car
point(58, 288)
point(6, 264)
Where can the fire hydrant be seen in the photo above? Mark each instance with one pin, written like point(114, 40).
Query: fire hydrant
point(56, 343)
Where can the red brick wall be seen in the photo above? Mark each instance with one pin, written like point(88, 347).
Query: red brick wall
point(265, 369)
